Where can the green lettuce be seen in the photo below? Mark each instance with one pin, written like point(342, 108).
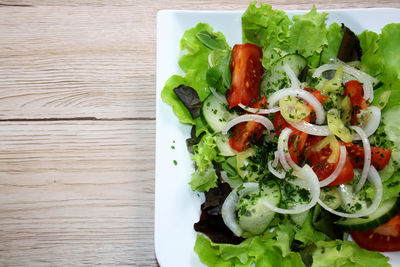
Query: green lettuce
point(196, 45)
point(204, 179)
point(194, 61)
point(345, 253)
point(259, 250)
point(168, 96)
point(308, 35)
point(266, 28)
point(334, 37)
point(371, 62)
point(205, 151)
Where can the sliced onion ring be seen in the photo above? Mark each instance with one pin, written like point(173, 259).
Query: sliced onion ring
point(219, 96)
point(296, 92)
point(294, 82)
point(278, 173)
point(367, 156)
point(319, 130)
point(251, 117)
point(283, 146)
point(375, 179)
point(338, 170)
point(228, 210)
point(306, 179)
point(259, 110)
point(373, 122)
point(360, 76)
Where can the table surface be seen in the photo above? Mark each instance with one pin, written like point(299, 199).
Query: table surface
point(77, 127)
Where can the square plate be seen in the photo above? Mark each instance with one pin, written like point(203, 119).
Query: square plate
point(177, 207)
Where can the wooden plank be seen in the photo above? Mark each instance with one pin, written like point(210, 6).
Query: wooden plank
point(76, 62)
point(75, 193)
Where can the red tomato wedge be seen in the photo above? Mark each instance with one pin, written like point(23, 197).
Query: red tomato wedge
point(246, 69)
point(317, 94)
point(318, 161)
point(379, 156)
point(297, 142)
point(246, 132)
point(355, 91)
point(383, 238)
point(297, 139)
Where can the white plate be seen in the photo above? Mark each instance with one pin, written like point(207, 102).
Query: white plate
point(177, 207)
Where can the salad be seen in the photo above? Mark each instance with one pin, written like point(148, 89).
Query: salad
point(293, 139)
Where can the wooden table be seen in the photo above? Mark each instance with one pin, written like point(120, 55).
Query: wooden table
point(77, 127)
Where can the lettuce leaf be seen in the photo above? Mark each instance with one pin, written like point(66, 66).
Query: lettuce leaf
point(334, 37)
point(308, 35)
point(307, 233)
point(205, 151)
point(261, 251)
point(346, 253)
point(194, 61)
point(266, 28)
point(168, 96)
point(371, 62)
point(204, 179)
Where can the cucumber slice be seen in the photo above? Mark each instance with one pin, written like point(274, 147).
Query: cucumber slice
point(331, 197)
point(381, 215)
point(253, 216)
point(216, 113)
point(300, 218)
point(275, 78)
point(223, 145)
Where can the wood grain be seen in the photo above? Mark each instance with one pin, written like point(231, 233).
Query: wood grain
point(66, 203)
point(77, 127)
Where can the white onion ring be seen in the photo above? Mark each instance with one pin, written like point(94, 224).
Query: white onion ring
point(367, 156)
point(229, 207)
point(251, 117)
point(360, 76)
point(219, 96)
point(283, 151)
point(259, 110)
point(372, 123)
point(282, 145)
point(339, 167)
point(294, 82)
point(296, 92)
point(276, 159)
point(280, 174)
point(375, 179)
point(307, 179)
point(319, 130)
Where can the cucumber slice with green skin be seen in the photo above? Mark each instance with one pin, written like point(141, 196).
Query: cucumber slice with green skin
point(216, 114)
point(386, 211)
point(299, 218)
point(331, 197)
point(253, 216)
point(223, 145)
point(275, 78)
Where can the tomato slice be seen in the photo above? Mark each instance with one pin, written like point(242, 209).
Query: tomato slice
point(319, 97)
point(355, 91)
point(246, 69)
point(296, 145)
point(379, 156)
point(247, 132)
point(280, 123)
point(297, 139)
point(318, 161)
point(383, 238)
point(317, 94)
